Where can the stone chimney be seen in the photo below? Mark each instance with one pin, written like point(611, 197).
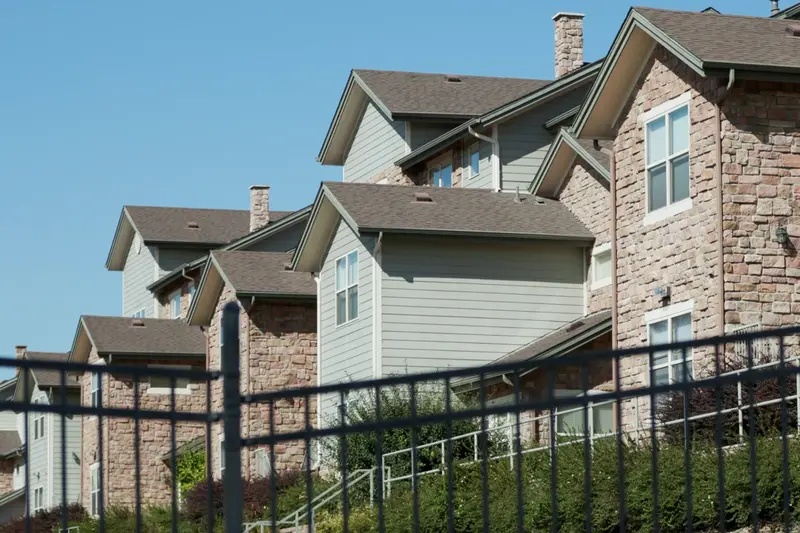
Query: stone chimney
point(776, 8)
point(259, 206)
point(20, 351)
point(569, 42)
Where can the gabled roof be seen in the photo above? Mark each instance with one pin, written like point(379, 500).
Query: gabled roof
point(403, 95)
point(710, 44)
point(370, 209)
point(178, 226)
point(791, 12)
point(250, 275)
point(559, 159)
point(275, 226)
point(145, 337)
point(538, 96)
point(9, 442)
point(50, 378)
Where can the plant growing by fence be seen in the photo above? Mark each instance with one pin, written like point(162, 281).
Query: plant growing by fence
point(191, 469)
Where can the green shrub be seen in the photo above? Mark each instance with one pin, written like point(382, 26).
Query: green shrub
point(190, 469)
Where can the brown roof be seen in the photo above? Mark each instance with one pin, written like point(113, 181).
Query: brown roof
point(9, 441)
point(171, 224)
point(155, 336)
point(51, 378)
point(263, 273)
point(415, 93)
point(548, 345)
point(457, 210)
point(729, 39)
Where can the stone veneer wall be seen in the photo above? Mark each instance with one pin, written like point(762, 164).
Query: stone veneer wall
point(586, 194)
point(118, 439)
point(396, 176)
point(7, 475)
point(186, 299)
point(679, 252)
point(280, 352)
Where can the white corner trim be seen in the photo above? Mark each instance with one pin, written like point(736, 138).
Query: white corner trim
point(666, 107)
point(496, 182)
point(667, 212)
point(377, 340)
point(663, 313)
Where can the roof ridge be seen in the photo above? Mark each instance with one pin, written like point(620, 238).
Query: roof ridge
point(727, 15)
point(450, 74)
point(212, 209)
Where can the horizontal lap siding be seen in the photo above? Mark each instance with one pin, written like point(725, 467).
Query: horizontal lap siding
point(171, 258)
point(345, 351)
point(38, 451)
point(455, 304)
point(283, 241)
point(425, 132)
point(140, 271)
point(73, 450)
point(377, 144)
point(484, 178)
point(524, 141)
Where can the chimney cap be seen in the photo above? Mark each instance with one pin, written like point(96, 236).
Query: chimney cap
point(258, 187)
point(567, 14)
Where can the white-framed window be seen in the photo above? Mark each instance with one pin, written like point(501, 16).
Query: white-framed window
point(570, 423)
point(667, 325)
point(262, 463)
point(666, 136)
point(38, 499)
point(138, 314)
point(38, 419)
point(347, 288)
point(163, 384)
point(191, 291)
point(175, 304)
point(221, 451)
point(472, 161)
point(94, 489)
point(95, 390)
point(601, 266)
point(441, 176)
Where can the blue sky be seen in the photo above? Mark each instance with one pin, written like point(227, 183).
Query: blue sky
point(187, 103)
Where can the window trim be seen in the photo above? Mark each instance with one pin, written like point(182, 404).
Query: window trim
point(190, 291)
point(167, 391)
point(94, 393)
point(471, 149)
point(140, 313)
point(604, 282)
point(172, 296)
point(94, 475)
point(346, 290)
point(39, 420)
point(40, 492)
point(590, 407)
point(221, 457)
point(667, 314)
point(437, 168)
point(663, 110)
point(266, 462)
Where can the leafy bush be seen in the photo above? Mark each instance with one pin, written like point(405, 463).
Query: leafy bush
point(45, 521)
point(191, 469)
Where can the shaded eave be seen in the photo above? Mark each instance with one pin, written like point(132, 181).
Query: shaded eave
point(469, 383)
point(120, 245)
point(507, 111)
point(11, 496)
point(176, 274)
point(557, 162)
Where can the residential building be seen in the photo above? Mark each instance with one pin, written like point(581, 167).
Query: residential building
point(413, 279)
point(151, 343)
point(278, 336)
point(701, 133)
point(50, 464)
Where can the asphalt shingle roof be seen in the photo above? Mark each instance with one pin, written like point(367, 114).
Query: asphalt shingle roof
point(171, 224)
point(157, 336)
point(534, 350)
point(456, 210)
point(9, 441)
point(51, 378)
point(416, 93)
point(264, 273)
point(730, 39)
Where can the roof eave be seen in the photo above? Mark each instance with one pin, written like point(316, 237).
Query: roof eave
point(115, 261)
point(192, 317)
point(176, 274)
point(269, 230)
point(475, 234)
point(275, 295)
point(165, 355)
point(436, 145)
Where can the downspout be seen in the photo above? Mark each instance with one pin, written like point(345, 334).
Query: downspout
point(720, 213)
point(495, 144)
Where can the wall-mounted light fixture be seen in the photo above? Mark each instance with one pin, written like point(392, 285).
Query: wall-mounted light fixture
point(781, 235)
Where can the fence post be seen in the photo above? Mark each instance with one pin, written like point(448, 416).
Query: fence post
point(232, 397)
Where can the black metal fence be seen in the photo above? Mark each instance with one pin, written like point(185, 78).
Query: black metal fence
point(585, 442)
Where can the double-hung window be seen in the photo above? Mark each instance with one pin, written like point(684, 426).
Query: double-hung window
point(347, 288)
point(670, 366)
point(472, 161)
point(667, 156)
point(441, 176)
point(175, 305)
point(94, 489)
point(95, 390)
point(38, 499)
point(38, 421)
point(262, 463)
point(570, 423)
point(601, 266)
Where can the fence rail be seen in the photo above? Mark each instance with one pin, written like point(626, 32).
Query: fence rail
point(423, 447)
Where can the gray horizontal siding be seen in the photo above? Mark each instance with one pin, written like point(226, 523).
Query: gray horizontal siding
point(377, 143)
point(38, 452)
point(456, 303)
point(425, 132)
point(281, 242)
point(346, 350)
point(484, 178)
point(171, 258)
point(524, 141)
point(139, 272)
point(71, 457)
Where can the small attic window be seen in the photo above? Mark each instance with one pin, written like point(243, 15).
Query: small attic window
point(192, 225)
point(422, 197)
point(452, 78)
